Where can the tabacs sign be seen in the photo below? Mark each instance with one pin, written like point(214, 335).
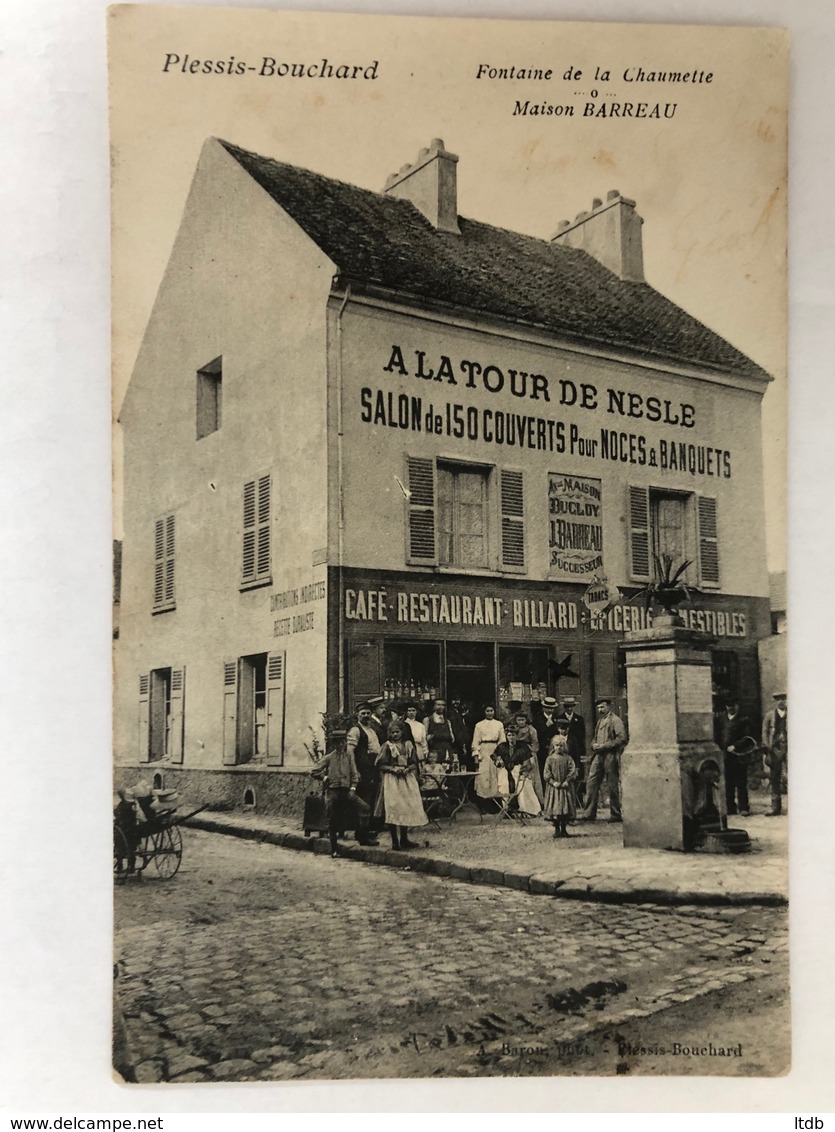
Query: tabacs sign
point(575, 527)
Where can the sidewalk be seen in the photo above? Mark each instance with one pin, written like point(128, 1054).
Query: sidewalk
point(591, 865)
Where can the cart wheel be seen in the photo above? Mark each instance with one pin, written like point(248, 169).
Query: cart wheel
point(121, 854)
point(167, 851)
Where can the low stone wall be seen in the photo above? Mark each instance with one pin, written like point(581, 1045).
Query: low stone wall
point(275, 792)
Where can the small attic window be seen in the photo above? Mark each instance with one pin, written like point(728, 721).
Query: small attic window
point(209, 391)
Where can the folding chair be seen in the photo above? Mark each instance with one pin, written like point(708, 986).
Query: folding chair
point(506, 809)
point(433, 798)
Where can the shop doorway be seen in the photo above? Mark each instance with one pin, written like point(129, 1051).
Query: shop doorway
point(471, 674)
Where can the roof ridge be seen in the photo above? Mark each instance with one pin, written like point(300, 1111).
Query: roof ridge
point(387, 241)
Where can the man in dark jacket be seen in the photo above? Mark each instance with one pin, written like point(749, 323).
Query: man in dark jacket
point(731, 726)
point(544, 712)
point(576, 735)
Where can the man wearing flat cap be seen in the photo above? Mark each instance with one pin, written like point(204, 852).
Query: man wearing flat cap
point(776, 747)
point(609, 740)
point(363, 743)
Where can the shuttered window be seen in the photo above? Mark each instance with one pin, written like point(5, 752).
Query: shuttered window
point(639, 533)
point(708, 541)
point(512, 501)
point(421, 548)
point(164, 546)
point(255, 566)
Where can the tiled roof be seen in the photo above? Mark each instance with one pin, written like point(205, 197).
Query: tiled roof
point(384, 242)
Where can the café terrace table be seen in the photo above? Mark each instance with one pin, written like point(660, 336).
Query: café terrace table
point(456, 788)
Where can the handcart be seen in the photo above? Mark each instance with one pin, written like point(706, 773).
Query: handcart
point(150, 837)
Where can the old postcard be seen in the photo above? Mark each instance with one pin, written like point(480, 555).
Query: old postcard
point(451, 730)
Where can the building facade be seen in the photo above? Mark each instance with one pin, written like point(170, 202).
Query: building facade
point(372, 447)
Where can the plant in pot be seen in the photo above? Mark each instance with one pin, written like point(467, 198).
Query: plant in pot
point(667, 590)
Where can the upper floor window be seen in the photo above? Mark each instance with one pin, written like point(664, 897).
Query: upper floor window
point(255, 568)
point(680, 524)
point(209, 398)
point(164, 544)
point(464, 515)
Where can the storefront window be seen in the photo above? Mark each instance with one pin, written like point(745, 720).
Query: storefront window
point(521, 671)
point(411, 670)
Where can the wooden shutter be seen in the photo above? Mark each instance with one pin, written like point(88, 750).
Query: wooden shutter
point(276, 681)
point(144, 717)
point(422, 547)
point(708, 541)
point(262, 562)
point(164, 563)
point(250, 532)
point(639, 534)
point(512, 501)
point(159, 562)
point(169, 560)
point(256, 530)
point(176, 723)
point(230, 712)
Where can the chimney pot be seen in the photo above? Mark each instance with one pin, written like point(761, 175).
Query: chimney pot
point(436, 144)
point(612, 194)
point(596, 203)
point(580, 216)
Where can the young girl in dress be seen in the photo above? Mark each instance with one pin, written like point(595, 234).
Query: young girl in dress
point(560, 773)
point(399, 801)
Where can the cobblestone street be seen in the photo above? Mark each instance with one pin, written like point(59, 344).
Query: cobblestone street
point(258, 963)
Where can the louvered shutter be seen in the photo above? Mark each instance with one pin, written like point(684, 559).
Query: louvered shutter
point(513, 520)
point(639, 534)
point(255, 565)
point(159, 562)
point(177, 721)
point(276, 681)
point(169, 560)
point(708, 541)
point(262, 563)
point(144, 717)
point(421, 539)
point(230, 712)
point(250, 533)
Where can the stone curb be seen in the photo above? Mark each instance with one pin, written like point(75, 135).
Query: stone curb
point(603, 890)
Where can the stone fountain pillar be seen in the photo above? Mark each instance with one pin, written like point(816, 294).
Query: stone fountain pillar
point(672, 772)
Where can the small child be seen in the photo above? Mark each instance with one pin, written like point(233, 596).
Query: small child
point(559, 774)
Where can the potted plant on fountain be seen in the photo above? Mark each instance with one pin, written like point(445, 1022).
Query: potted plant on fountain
point(667, 590)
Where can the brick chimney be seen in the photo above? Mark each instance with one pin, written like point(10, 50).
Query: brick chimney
point(611, 233)
point(431, 185)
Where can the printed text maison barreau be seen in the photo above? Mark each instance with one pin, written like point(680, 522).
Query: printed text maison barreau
point(596, 92)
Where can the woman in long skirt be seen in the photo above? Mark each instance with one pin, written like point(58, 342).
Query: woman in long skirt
point(560, 773)
point(399, 801)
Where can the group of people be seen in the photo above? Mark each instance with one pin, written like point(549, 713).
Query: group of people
point(536, 766)
point(734, 739)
